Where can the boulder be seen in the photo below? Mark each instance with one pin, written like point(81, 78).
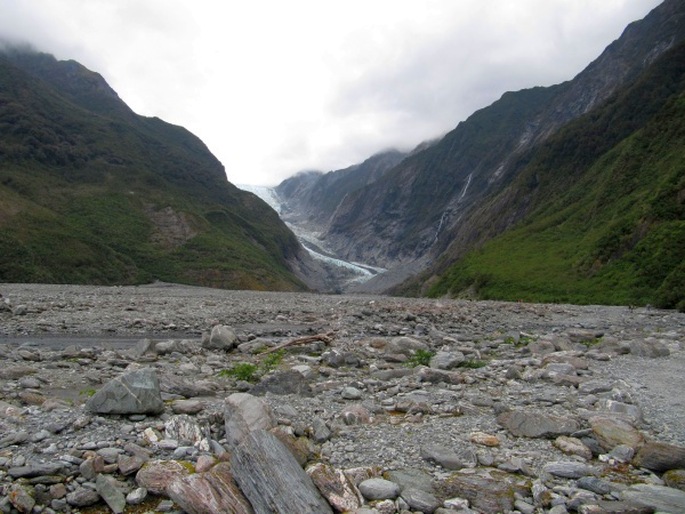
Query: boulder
point(244, 413)
point(340, 493)
point(156, 475)
point(271, 479)
point(523, 423)
point(108, 490)
point(135, 392)
point(611, 431)
point(221, 338)
point(379, 489)
point(210, 492)
point(660, 457)
point(283, 382)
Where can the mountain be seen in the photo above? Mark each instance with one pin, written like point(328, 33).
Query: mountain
point(91, 192)
point(442, 202)
point(431, 194)
point(600, 204)
point(309, 199)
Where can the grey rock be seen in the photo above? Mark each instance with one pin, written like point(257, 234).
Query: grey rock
point(184, 428)
point(244, 413)
point(416, 478)
point(36, 469)
point(283, 382)
point(321, 432)
point(675, 478)
point(660, 457)
point(16, 372)
point(622, 453)
point(351, 393)
point(156, 475)
point(631, 411)
point(137, 496)
point(611, 431)
point(490, 492)
point(570, 469)
point(110, 493)
point(187, 406)
point(536, 424)
point(595, 386)
point(135, 392)
point(436, 376)
point(419, 500)
point(271, 479)
point(82, 497)
point(21, 496)
point(660, 498)
point(448, 458)
point(221, 338)
point(379, 489)
point(649, 348)
point(337, 359)
point(405, 345)
point(178, 385)
point(17, 437)
point(596, 485)
point(447, 360)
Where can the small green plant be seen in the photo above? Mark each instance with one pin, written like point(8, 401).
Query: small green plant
point(591, 342)
point(87, 392)
point(272, 361)
point(241, 371)
point(522, 341)
point(472, 364)
point(420, 358)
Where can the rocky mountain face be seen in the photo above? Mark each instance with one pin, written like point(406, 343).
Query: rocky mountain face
point(93, 193)
point(310, 199)
point(433, 199)
point(601, 204)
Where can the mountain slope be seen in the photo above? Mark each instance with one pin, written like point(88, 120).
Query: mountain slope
point(310, 198)
point(601, 204)
point(431, 198)
point(90, 192)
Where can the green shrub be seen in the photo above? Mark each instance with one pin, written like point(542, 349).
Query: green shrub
point(242, 371)
point(472, 364)
point(420, 358)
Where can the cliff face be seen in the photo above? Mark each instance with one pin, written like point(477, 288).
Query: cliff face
point(310, 199)
point(434, 197)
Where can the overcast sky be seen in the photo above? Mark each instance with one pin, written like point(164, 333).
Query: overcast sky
point(277, 86)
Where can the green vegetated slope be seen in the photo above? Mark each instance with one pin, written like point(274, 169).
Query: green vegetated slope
point(605, 203)
point(90, 192)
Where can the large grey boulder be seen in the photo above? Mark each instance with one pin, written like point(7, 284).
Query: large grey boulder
point(135, 392)
point(536, 424)
point(221, 338)
point(244, 413)
point(657, 497)
point(272, 480)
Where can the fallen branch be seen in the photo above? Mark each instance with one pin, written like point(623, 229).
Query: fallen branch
point(326, 338)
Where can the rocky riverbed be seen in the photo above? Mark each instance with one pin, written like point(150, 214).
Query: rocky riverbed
point(167, 398)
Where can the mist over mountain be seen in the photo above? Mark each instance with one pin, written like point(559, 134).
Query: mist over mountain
point(91, 192)
point(437, 209)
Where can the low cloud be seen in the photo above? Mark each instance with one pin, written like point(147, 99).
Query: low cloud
point(275, 87)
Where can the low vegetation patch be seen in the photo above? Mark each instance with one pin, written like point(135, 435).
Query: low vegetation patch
point(420, 358)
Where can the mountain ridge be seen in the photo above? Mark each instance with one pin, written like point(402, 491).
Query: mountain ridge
point(94, 193)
